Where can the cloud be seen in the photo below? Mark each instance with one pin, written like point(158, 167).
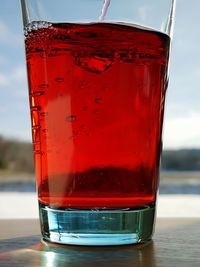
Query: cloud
point(14, 81)
point(182, 131)
point(23, 133)
point(3, 60)
point(17, 75)
point(142, 12)
point(4, 81)
point(7, 37)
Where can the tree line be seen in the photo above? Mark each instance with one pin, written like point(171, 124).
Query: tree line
point(181, 160)
point(17, 156)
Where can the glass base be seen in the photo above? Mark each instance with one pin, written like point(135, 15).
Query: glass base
point(97, 227)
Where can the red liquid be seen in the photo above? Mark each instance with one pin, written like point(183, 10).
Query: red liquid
point(97, 94)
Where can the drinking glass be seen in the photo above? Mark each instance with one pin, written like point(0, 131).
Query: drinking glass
point(97, 74)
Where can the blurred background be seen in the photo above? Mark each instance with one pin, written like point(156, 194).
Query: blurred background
point(180, 170)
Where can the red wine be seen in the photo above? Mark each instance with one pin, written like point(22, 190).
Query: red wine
point(97, 97)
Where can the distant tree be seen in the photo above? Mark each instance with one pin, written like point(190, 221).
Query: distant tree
point(183, 159)
point(16, 155)
point(2, 165)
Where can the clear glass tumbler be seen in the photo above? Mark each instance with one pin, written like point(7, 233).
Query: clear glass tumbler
point(98, 74)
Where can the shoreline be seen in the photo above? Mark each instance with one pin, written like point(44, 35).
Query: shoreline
point(13, 177)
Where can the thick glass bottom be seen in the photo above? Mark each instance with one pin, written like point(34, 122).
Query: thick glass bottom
point(97, 227)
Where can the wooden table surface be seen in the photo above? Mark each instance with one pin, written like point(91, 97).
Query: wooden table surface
point(176, 243)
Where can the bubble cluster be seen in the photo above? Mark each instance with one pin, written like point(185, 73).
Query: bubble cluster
point(35, 25)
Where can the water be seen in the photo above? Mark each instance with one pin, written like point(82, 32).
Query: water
point(18, 187)
point(179, 189)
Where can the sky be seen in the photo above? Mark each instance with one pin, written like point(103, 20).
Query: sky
point(182, 113)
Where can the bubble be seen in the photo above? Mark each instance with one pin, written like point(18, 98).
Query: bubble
point(95, 210)
point(71, 118)
point(36, 127)
point(43, 114)
point(59, 79)
point(85, 108)
point(96, 111)
point(53, 53)
point(74, 134)
point(37, 93)
point(36, 108)
point(82, 126)
point(83, 84)
point(126, 56)
point(98, 100)
point(36, 143)
point(43, 85)
point(37, 151)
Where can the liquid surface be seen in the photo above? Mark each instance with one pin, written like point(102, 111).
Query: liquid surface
point(96, 96)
